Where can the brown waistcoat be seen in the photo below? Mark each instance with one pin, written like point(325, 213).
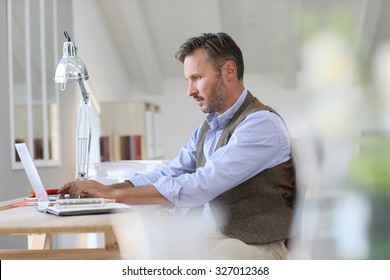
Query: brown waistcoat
point(258, 210)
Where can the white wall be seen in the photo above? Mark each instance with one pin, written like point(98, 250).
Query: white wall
point(103, 63)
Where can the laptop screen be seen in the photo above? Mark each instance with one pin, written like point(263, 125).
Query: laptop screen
point(32, 172)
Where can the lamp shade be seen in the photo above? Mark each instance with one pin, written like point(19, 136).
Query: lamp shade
point(70, 68)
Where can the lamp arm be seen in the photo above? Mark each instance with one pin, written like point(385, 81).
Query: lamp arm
point(84, 93)
point(83, 134)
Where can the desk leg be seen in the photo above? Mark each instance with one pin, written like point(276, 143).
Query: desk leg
point(39, 241)
point(110, 242)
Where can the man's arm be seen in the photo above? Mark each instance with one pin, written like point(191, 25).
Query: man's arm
point(141, 195)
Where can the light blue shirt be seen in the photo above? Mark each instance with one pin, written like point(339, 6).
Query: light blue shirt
point(259, 142)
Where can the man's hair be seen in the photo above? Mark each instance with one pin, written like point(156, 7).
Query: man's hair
point(219, 48)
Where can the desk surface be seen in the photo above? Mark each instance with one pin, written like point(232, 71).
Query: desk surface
point(27, 219)
point(40, 226)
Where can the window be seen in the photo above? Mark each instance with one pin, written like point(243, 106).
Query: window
point(34, 100)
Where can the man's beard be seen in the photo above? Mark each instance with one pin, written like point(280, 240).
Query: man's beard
point(216, 98)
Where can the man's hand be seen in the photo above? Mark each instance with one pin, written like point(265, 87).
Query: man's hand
point(85, 189)
point(122, 192)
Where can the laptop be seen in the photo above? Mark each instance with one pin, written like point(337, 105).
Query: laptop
point(67, 206)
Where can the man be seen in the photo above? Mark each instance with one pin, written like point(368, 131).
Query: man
point(237, 165)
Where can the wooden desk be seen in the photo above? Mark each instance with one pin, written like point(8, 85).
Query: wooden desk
point(39, 228)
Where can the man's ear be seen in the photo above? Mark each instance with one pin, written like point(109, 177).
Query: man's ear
point(230, 70)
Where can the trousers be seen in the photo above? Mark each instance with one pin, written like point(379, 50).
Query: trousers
point(223, 247)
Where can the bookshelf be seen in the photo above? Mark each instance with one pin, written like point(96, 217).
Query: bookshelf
point(130, 130)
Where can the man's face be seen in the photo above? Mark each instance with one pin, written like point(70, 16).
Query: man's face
point(205, 84)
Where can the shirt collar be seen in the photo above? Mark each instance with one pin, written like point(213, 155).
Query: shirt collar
point(214, 120)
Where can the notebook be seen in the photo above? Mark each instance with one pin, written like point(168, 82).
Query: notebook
point(63, 207)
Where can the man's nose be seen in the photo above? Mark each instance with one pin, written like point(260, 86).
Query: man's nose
point(191, 89)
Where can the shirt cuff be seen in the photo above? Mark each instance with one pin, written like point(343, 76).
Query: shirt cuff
point(168, 188)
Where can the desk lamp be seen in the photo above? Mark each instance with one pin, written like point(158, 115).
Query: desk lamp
point(72, 69)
